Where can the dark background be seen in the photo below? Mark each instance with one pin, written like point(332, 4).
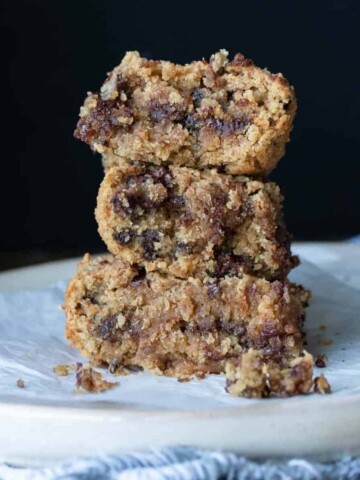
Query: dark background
point(55, 51)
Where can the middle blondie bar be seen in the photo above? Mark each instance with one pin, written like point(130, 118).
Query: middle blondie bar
point(187, 222)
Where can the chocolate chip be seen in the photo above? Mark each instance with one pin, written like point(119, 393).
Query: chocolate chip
point(183, 326)
point(106, 329)
point(219, 168)
point(140, 276)
point(133, 198)
point(114, 365)
point(228, 384)
point(230, 327)
point(225, 127)
point(320, 361)
point(134, 368)
point(92, 299)
point(161, 175)
point(225, 265)
point(176, 200)
point(217, 215)
point(139, 201)
point(124, 237)
point(118, 205)
point(228, 127)
point(191, 122)
point(286, 106)
point(213, 290)
point(122, 85)
point(160, 112)
point(102, 122)
point(182, 247)
point(147, 240)
point(281, 235)
point(202, 324)
point(197, 95)
point(268, 329)
point(232, 265)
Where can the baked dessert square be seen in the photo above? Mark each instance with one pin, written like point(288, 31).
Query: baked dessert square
point(120, 316)
point(188, 222)
point(207, 113)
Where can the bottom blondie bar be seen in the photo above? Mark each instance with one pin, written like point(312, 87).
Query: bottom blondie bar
point(120, 316)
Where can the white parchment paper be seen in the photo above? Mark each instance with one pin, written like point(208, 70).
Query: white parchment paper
point(32, 342)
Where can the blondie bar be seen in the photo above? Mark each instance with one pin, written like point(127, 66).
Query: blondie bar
point(120, 316)
point(206, 113)
point(188, 222)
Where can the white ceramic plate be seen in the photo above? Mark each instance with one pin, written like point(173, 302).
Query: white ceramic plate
point(36, 430)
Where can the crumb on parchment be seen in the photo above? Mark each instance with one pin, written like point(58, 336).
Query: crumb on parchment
point(252, 377)
point(321, 361)
point(63, 370)
point(91, 381)
point(321, 385)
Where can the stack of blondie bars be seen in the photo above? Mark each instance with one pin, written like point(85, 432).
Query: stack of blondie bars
point(196, 279)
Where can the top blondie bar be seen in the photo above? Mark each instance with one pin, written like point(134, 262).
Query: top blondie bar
point(229, 114)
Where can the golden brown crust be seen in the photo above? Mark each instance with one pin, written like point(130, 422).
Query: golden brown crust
point(179, 327)
point(221, 112)
point(188, 222)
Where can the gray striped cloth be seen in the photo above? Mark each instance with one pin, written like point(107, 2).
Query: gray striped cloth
point(183, 463)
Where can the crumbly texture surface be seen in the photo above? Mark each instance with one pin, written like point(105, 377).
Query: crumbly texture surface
point(252, 376)
point(118, 315)
point(206, 113)
point(188, 222)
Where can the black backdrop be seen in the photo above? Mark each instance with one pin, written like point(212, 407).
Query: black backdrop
point(54, 51)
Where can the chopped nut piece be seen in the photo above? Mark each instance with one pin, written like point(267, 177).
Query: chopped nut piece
point(321, 385)
point(92, 381)
point(20, 383)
